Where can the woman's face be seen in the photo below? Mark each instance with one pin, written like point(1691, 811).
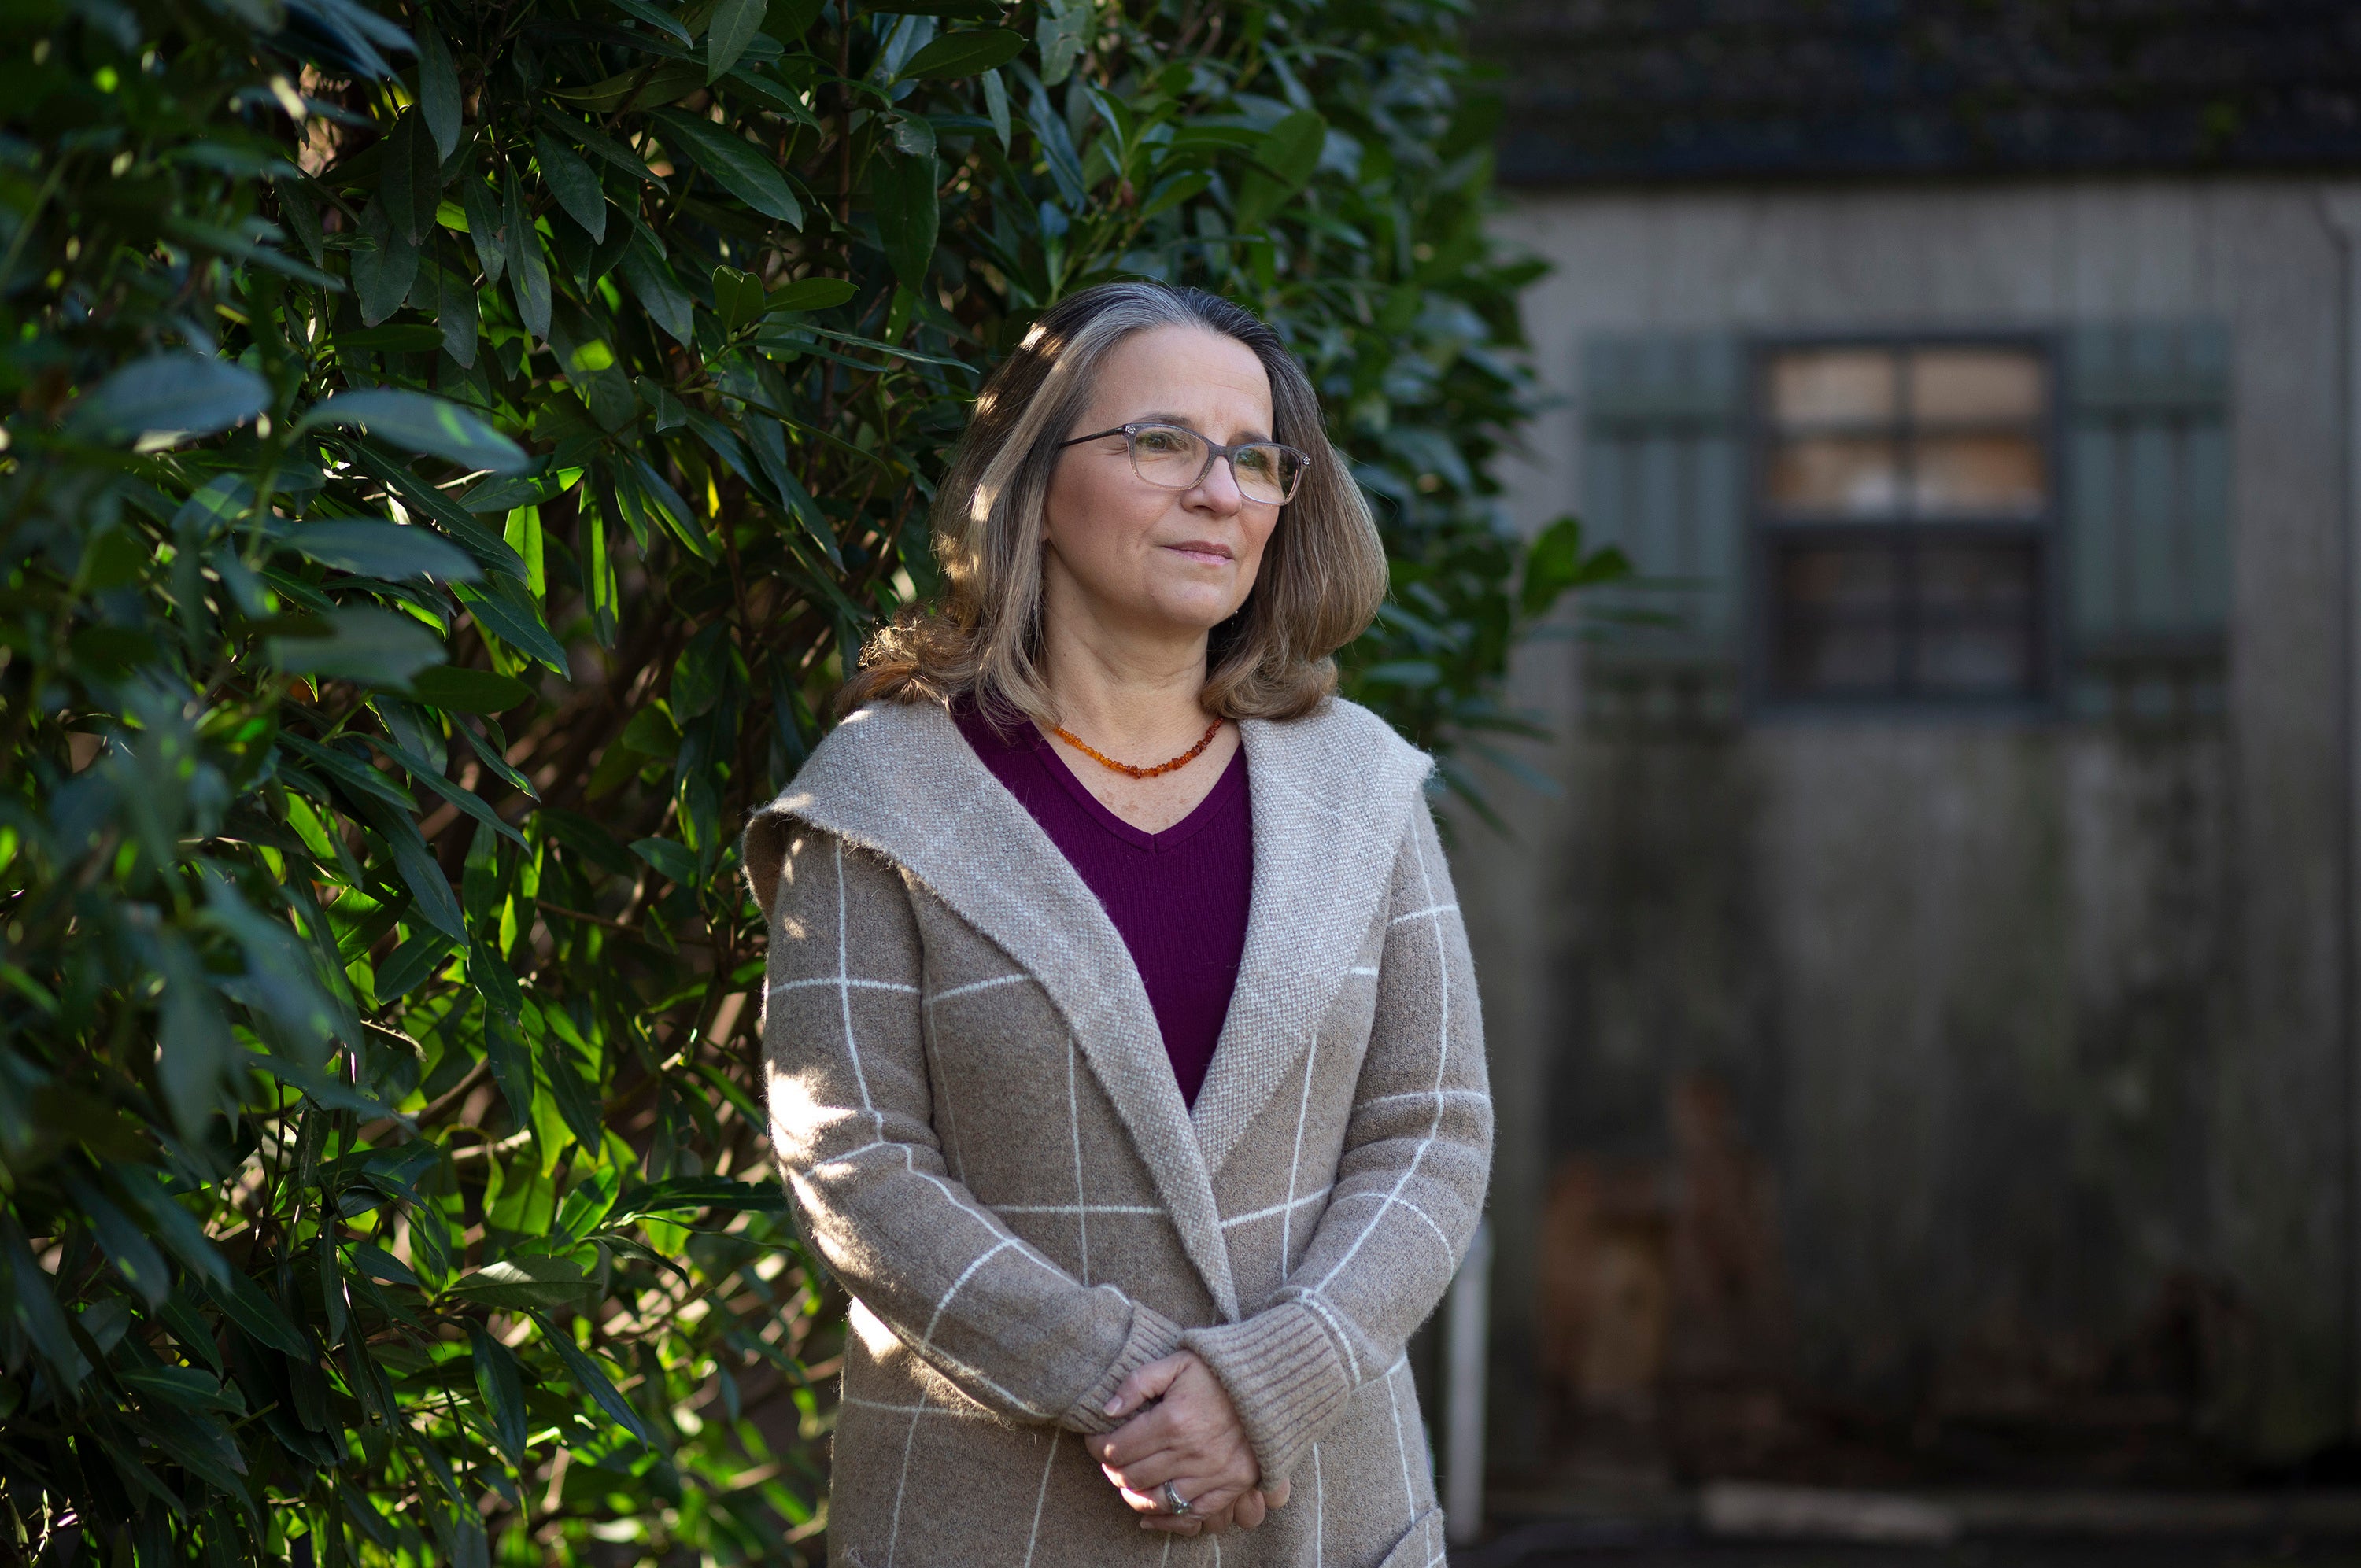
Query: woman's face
point(1139, 556)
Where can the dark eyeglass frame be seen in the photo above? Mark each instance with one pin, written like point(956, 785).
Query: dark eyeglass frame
point(1214, 450)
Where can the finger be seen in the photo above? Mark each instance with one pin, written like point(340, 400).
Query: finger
point(1147, 1383)
point(1147, 1474)
point(1138, 1502)
point(1276, 1497)
point(1248, 1509)
point(1209, 1524)
point(1158, 1427)
point(1208, 1496)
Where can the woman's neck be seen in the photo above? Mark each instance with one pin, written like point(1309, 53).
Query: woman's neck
point(1129, 692)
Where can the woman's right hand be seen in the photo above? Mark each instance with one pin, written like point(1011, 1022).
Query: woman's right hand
point(1182, 1429)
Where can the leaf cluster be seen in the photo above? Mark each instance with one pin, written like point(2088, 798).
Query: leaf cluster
point(450, 450)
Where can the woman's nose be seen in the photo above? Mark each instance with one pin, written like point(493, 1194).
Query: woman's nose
point(1219, 487)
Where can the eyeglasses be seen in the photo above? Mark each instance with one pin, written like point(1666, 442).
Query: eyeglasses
point(1172, 458)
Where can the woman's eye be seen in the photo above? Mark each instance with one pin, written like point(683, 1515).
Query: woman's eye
point(1162, 442)
point(1258, 460)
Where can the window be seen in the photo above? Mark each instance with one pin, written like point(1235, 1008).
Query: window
point(1905, 497)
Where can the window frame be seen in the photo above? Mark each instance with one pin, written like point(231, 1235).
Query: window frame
point(1767, 530)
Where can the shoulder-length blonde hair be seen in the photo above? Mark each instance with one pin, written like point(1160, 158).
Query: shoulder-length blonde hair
point(1322, 573)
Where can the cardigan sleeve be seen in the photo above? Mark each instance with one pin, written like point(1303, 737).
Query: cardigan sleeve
point(1410, 1185)
point(851, 1123)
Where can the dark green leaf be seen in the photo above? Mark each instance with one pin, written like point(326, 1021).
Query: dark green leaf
point(182, 1234)
point(788, 20)
point(188, 393)
point(656, 17)
point(379, 1264)
point(198, 1443)
point(418, 422)
point(1290, 150)
point(736, 297)
point(386, 550)
point(528, 272)
point(809, 294)
point(660, 294)
point(596, 1383)
point(410, 964)
point(33, 1305)
point(734, 163)
point(182, 1386)
point(424, 501)
point(193, 1043)
point(647, 87)
point(460, 689)
point(693, 1194)
point(1061, 31)
point(956, 55)
point(413, 183)
point(134, 1256)
point(577, 1105)
point(673, 860)
point(734, 25)
point(386, 266)
point(506, 610)
point(486, 227)
point(242, 1300)
point(502, 1386)
point(573, 183)
point(419, 870)
point(604, 147)
point(1286, 158)
point(1556, 562)
point(903, 189)
point(374, 647)
point(520, 1284)
point(438, 90)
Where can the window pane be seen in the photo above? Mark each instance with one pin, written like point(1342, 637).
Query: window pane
point(1836, 475)
point(1833, 386)
point(1976, 617)
point(1836, 626)
point(1977, 386)
point(1979, 475)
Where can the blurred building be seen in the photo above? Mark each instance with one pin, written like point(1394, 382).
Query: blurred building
point(1925, 1029)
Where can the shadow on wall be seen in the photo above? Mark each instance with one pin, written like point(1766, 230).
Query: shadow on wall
point(1669, 1349)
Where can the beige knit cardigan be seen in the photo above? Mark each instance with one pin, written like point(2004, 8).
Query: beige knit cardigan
point(973, 1109)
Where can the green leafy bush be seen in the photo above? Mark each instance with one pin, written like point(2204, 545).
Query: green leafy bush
point(449, 453)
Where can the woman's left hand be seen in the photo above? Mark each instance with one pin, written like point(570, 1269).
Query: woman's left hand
point(1190, 1436)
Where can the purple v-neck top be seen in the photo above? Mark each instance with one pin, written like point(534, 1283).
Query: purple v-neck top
point(1179, 898)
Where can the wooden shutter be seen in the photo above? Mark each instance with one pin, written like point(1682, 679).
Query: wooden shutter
point(2147, 516)
point(1663, 476)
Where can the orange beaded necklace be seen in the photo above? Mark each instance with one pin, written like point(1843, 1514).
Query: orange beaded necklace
point(1182, 760)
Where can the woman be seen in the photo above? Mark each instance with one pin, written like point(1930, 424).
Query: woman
point(1124, 1050)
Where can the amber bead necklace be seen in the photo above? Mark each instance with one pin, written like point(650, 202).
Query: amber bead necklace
point(1130, 770)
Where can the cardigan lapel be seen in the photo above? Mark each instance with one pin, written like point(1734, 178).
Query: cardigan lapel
point(900, 780)
point(1331, 793)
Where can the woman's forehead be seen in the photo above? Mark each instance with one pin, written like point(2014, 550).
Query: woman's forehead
point(1183, 372)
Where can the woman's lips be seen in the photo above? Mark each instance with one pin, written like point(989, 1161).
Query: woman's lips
point(1201, 551)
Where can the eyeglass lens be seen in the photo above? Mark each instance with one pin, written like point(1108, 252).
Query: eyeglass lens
point(1176, 459)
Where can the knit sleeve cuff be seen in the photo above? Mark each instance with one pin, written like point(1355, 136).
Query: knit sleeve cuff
point(1153, 1337)
point(1284, 1372)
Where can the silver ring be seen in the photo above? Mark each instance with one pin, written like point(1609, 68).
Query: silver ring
point(1174, 1503)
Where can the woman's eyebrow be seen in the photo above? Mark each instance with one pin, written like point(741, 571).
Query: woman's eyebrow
point(1182, 421)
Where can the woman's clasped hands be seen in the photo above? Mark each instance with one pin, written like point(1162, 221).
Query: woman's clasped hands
point(1183, 1431)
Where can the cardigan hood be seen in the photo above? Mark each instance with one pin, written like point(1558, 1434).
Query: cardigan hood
point(1332, 793)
